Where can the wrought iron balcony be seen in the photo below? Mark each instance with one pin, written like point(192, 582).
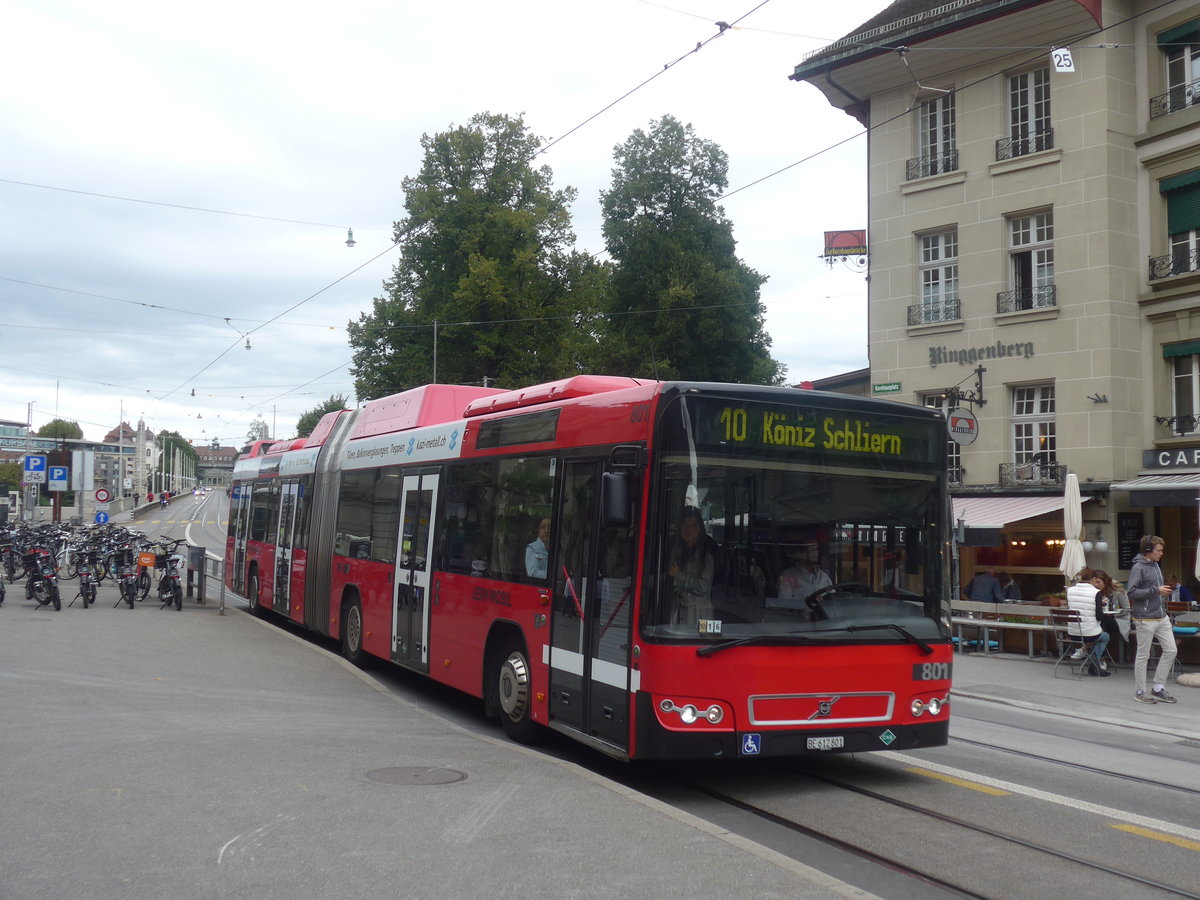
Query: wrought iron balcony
point(1180, 424)
point(1174, 100)
point(1177, 262)
point(931, 313)
point(1043, 297)
point(935, 164)
point(955, 475)
point(1012, 147)
point(1014, 474)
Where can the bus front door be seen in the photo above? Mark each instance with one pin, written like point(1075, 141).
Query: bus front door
point(589, 652)
point(410, 598)
point(240, 525)
point(289, 508)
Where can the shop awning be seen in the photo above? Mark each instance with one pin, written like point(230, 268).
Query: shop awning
point(997, 512)
point(1180, 489)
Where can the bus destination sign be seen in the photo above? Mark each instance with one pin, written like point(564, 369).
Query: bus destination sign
point(775, 428)
point(778, 428)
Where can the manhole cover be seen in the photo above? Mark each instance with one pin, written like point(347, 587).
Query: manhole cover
point(416, 775)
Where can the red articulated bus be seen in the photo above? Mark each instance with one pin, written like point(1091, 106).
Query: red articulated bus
point(661, 570)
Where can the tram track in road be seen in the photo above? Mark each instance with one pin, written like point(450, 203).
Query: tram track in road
point(780, 831)
point(856, 851)
point(998, 835)
point(1080, 767)
point(1049, 732)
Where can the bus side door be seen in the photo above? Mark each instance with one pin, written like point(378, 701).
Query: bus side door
point(289, 510)
point(410, 597)
point(589, 652)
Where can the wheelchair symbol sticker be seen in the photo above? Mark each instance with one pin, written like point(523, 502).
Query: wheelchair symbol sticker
point(751, 744)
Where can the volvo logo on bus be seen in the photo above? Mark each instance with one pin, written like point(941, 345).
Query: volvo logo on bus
point(825, 708)
point(962, 426)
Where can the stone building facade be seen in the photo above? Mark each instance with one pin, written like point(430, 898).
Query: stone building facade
point(1034, 227)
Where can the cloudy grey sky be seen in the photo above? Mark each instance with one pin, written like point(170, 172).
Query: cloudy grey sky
point(292, 122)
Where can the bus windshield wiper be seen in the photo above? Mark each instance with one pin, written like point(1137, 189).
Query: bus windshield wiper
point(789, 638)
point(925, 648)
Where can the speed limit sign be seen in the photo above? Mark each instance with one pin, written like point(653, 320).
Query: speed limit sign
point(102, 495)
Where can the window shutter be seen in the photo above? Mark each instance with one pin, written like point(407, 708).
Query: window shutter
point(1187, 348)
point(1186, 33)
point(1183, 201)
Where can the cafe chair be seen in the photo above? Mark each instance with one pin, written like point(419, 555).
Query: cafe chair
point(1062, 620)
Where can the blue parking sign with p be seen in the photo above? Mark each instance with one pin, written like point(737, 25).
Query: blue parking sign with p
point(35, 464)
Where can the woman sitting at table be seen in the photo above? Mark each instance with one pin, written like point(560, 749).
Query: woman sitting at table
point(1114, 614)
point(1086, 598)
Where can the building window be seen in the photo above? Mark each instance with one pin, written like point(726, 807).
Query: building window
point(1182, 195)
point(1185, 390)
point(1184, 246)
point(937, 151)
point(1033, 425)
point(1180, 47)
point(1029, 128)
point(1031, 263)
point(938, 271)
point(953, 448)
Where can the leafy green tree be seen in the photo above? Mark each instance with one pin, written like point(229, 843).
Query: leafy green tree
point(486, 285)
point(308, 421)
point(682, 304)
point(11, 473)
point(257, 431)
point(178, 458)
point(60, 428)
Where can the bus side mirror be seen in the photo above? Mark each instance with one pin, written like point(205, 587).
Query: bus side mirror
point(618, 507)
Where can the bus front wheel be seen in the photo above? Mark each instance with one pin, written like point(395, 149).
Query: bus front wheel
point(513, 695)
point(252, 594)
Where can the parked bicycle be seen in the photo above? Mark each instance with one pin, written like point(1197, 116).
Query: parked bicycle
point(170, 562)
point(85, 565)
point(9, 557)
point(127, 573)
point(42, 583)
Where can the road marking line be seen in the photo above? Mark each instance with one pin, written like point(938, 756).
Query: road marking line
point(1107, 812)
point(961, 782)
point(1159, 836)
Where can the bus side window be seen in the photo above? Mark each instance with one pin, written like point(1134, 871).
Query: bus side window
point(467, 518)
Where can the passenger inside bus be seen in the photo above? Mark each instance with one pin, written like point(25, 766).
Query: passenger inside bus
point(537, 551)
point(691, 569)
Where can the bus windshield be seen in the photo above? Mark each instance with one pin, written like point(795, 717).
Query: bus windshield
point(753, 538)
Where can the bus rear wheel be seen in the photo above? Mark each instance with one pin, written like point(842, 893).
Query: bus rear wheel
point(513, 695)
point(352, 633)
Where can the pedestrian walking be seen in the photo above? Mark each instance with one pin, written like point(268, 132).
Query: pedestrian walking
point(1148, 610)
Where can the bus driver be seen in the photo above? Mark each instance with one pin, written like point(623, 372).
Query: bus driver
point(801, 580)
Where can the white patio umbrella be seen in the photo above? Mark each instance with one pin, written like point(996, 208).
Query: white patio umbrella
point(1072, 559)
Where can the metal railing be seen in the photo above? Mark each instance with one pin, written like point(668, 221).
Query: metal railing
point(930, 313)
point(197, 575)
point(955, 475)
point(1012, 147)
point(1177, 262)
point(1014, 474)
point(1174, 100)
point(933, 164)
point(1043, 297)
